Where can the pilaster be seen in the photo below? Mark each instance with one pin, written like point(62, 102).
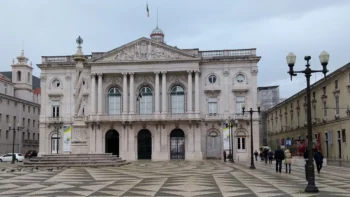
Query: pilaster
point(93, 93)
point(156, 108)
point(125, 93)
point(189, 92)
point(164, 93)
point(196, 89)
point(132, 93)
point(100, 96)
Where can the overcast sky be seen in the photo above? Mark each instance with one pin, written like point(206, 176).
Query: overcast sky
point(274, 27)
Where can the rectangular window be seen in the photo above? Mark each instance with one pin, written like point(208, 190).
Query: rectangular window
point(337, 105)
point(343, 135)
point(7, 134)
point(28, 109)
point(23, 135)
point(7, 118)
point(28, 122)
point(24, 107)
point(28, 136)
point(336, 84)
point(313, 95)
point(33, 123)
point(212, 105)
point(55, 108)
point(33, 136)
point(34, 110)
point(240, 100)
point(38, 111)
point(324, 90)
point(241, 143)
point(338, 132)
point(145, 104)
point(314, 111)
point(5, 88)
point(23, 122)
point(325, 109)
point(298, 118)
point(177, 104)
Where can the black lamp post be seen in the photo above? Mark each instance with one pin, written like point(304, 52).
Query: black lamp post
point(230, 125)
point(324, 57)
point(251, 111)
point(13, 141)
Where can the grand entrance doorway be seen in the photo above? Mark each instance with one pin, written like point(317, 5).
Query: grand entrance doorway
point(144, 144)
point(177, 144)
point(112, 142)
point(213, 145)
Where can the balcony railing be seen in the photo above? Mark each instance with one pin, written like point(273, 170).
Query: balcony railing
point(32, 142)
point(141, 117)
point(59, 59)
point(58, 119)
point(227, 53)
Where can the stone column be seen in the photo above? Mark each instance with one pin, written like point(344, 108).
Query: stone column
point(196, 91)
point(156, 109)
point(164, 93)
point(125, 93)
point(189, 92)
point(93, 93)
point(100, 93)
point(132, 94)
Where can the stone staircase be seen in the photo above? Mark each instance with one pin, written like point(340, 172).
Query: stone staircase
point(76, 160)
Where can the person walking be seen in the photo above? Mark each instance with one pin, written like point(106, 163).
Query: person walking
point(256, 155)
point(224, 156)
point(279, 156)
point(270, 155)
point(288, 160)
point(318, 157)
point(265, 155)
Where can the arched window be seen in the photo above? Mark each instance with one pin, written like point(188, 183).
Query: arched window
point(19, 75)
point(146, 100)
point(177, 100)
point(114, 103)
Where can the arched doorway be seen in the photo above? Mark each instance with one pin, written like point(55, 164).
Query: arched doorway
point(177, 144)
point(112, 142)
point(213, 145)
point(144, 144)
point(55, 143)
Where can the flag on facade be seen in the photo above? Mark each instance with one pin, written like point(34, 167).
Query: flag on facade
point(147, 9)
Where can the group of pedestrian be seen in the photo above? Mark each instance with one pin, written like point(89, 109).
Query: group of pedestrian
point(265, 155)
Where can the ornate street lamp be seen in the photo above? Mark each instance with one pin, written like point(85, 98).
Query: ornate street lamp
point(251, 111)
point(324, 58)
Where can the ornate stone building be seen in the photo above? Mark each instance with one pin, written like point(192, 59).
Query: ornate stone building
point(148, 100)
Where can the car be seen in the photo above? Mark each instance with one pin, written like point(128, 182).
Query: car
point(8, 157)
point(31, 153)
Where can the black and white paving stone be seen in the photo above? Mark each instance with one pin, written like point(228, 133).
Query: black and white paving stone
point(210, 178)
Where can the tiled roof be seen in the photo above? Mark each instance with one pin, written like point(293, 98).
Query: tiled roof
point(37, 91)
point(4, 78)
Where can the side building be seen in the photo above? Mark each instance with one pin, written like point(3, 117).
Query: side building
point(19, 108)
point(330, 116)
point(268, 97)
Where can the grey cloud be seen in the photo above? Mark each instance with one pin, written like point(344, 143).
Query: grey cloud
point(274, 27)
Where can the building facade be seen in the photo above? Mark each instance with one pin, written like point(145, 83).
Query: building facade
point(330, 116)
point(19, 108)
point(147, 100)
point(268, 97)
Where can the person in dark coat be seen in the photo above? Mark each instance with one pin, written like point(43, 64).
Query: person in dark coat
point(270, 155)
point(224, 156)
point(265, 154)
point(318, 157)
point(256, 155)
point(279, 156)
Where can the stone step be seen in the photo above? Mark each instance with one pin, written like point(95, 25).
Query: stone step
point(71, 158)
point(75, 165)
point(83, 154)
point(74, 162)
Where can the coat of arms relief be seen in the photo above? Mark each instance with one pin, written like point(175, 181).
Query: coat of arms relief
point(145, 51)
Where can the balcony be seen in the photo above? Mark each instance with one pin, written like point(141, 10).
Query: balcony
point(30, 142)
point(141, 117)
point(244, 116)
point(213, 117)
point(58, 120)
point(228, 53)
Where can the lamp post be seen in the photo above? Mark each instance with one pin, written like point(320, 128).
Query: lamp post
point(324, 57)
point(230, 123)
point(13, 141)
point(251, 111)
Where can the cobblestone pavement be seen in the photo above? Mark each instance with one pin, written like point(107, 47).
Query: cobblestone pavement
point(176, 178)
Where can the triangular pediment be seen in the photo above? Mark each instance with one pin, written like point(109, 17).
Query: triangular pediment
point(145, 49)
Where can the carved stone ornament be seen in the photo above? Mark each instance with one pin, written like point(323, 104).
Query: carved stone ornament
point(176, 125)
point(79, 136)
point(144, 50)
point(144, 126)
